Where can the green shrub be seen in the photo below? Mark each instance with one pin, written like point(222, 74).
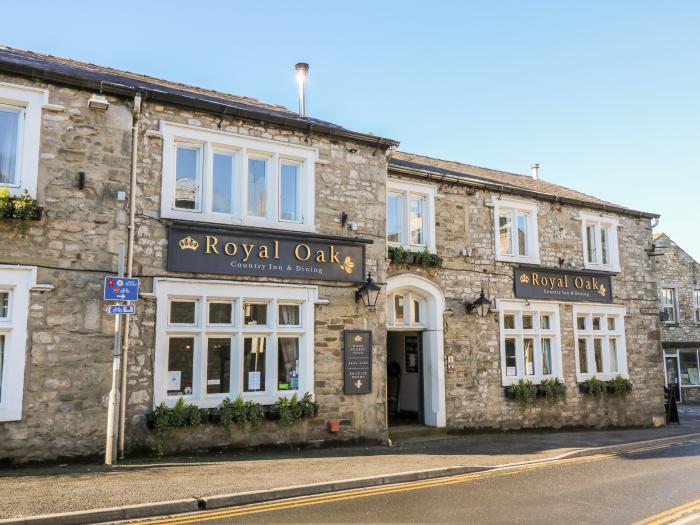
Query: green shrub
point(619, 386)
point(166, 419)
point(430, 260)
point(523, 392)
point(596, 387)
point(245, 414)
point(20, 208)
point(553, 389)
point(292, 410)
point(398, 254)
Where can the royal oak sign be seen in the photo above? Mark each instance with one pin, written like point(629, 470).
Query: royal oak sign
point(264, 253)
point(562, 285)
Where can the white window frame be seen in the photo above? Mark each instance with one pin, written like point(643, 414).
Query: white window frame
point(676, 312)
point(602, 311)
point(242, 147)
point(18, 281)
point(408, 190)
point(204, 291)
point(533, 246)
point(536, 308)
point(407, 324)
point(696, 305)
point(30, 101)
point(599, 222)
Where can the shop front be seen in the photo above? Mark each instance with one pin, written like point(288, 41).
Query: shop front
point(681, 366)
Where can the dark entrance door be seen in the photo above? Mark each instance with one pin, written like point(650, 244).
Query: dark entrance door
point(405, 398)
point(672, 376)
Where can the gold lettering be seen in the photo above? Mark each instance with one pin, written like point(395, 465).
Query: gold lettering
point(230, 248)
point(334, 255)
point(247, 248)
point(262, 253)
point(320, 256)
point(211, 244)
point(566, 281)
point(277, 250)
point(298, 256)
point(535, 279)
point(578, 282)
point(560, 283)
point(588, 284)
point(594, 283)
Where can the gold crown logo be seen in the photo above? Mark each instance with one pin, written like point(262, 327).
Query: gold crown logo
point(524, 279)
point(188, 243)
point(358, 338)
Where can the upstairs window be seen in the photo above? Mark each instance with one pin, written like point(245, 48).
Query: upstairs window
point(600, 250)
point(10, 121)
point(599, 335)
point(219, 177)
point(411, 215)
point(696, 306)
point(669, 304)
point(515, 231)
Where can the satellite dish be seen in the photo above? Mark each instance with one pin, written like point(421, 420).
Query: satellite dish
point(664, 316)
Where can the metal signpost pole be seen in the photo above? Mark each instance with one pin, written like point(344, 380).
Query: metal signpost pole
point(109, 446)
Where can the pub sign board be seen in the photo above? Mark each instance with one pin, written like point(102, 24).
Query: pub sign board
point(357, 362)
point(195, 249)
point(562, 285)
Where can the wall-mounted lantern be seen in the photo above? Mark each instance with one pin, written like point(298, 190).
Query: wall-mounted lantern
point(368, 292)
point(481, 305)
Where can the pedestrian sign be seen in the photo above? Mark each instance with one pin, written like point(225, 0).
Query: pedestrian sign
point(121, 289)
point(121, 309)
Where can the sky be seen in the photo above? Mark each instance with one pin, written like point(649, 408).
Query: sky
point(605, 96)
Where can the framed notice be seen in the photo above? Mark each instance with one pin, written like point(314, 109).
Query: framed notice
point(357, 362)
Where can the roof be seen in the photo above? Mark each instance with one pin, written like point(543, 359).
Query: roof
point(111, 81)
point(662, 240)
point(503, 181)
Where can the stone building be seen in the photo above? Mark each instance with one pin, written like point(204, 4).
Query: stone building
point(678, 275)
point(251, 228)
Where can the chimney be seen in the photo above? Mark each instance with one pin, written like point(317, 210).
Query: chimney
point(535, 171)
point(302, 72)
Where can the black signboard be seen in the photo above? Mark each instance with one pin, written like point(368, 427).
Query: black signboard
point(264, 253)
point(357, 362)
point(562, 285)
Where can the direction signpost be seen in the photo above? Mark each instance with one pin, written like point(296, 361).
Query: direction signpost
point(121, 309)
point(121, 289)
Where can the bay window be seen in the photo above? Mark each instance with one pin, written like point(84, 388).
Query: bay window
point(515, 231)
point(600, 248)
point(411, 215)
point(220, 177)
point(529, 341)
point(218, 339)
point(599, 338)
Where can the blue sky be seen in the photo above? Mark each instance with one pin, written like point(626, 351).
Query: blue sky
point(604, 95)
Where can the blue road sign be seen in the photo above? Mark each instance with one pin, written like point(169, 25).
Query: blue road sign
point(121, 309)
point(121, 289)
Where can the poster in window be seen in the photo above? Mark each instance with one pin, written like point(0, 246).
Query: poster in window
point(411, 353)
point(174, 377)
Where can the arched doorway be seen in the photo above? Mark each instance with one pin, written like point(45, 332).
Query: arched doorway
point(415, 309)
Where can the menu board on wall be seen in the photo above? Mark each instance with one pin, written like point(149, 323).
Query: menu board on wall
point(357, 362)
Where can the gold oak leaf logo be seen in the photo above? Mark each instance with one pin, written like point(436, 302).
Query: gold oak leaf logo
point(601, 290)
point(188, 243)
point(524, 279)
point(358, 383)
point(347, 265)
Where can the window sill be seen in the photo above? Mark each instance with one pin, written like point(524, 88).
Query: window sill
point(414, 248)
point(227, 220)
point(601, 268)
point(10, 414)
point(535, 380)
point(582, 378)
point(214, 400)
point(518, 260)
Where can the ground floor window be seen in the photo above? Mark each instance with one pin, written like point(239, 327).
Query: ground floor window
point(529, 341)
point(15, 283)
point(217, 339)
point(689, 362)
point(599, 337)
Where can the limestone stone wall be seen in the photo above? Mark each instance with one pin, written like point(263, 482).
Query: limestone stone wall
point(474, 394)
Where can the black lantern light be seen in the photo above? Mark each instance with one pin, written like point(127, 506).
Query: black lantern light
point(480, 306)
point(368, 292)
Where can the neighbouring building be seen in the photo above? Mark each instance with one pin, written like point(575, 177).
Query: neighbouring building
point(678, 276)
point(251, 228)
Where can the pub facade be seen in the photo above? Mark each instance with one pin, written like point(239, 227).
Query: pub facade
point(253, 230)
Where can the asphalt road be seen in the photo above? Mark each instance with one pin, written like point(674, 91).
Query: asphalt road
point(604, 489)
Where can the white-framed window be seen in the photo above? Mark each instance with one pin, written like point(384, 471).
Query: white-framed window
point(20, 134)
point(226, 178)
point(600, 245)
point(405, 310)
point(599, 336)
point(530, 341)
point(669, 304)
point(218, 339)
point(696, 306)
point(515, 232)
point(411, 215)
point(15, 284)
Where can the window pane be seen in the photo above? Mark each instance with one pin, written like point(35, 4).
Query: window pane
point(289, 315)
point(583, 356)
point(187, 187)
point(596, 323)
point(611, 323)
point(592, 252)
point(522, 234)
point(612, 345)
point(546, 356)
point(598, 354)
point(529, 351)
point(509, 321)
point(527, 322)
point(545, 322)
point(255, 314)
point(581, 322)
point(689, 367)
point(257, 187)
point(288, 363)
point(505, 232)
point(220, 313)
point(511, 362)
point(604, 249)
point(9, 136)
point(254, 363)
point(2, 361)
point(416, 214)
point(415, 312)
point(182, 312)
point(394, 217)
point(218, 365)
point(180, 355)
point(222, 191)
point(4, 305)
point(289, 192)
point(398, 309)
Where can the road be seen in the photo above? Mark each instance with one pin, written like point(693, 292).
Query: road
point(604, 489)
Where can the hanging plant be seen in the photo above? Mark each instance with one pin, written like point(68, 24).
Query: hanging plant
point(430, 260)
point(619, 386)
point(594, 387)
point(523, 392)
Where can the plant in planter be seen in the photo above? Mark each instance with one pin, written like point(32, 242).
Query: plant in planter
point(399, 255)
point(292, 410)
point(595, 387)
point(523, 392)
point(553, 390)
point(430, 260)
point(619, 386)
point(20, 208)
point(245, 414)
point(166, 419)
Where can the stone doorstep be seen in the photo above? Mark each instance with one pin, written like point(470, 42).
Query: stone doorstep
point(145, 510)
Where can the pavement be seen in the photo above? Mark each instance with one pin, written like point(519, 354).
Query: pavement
point(247, 477)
